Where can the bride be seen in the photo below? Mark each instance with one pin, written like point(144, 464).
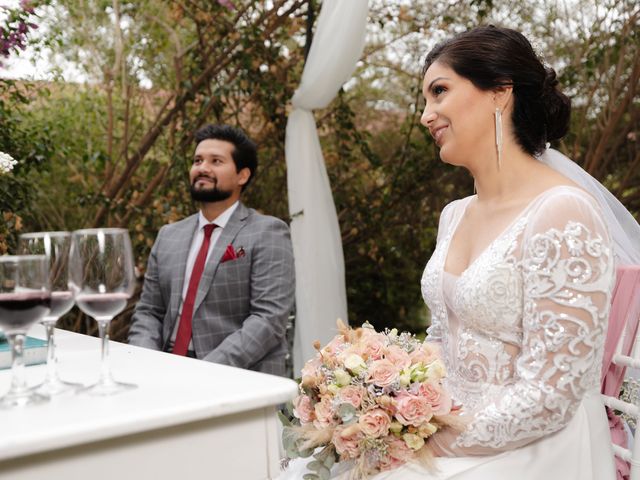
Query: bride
point(520, 282)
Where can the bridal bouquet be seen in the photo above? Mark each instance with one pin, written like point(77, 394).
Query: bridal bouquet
point(371, 398)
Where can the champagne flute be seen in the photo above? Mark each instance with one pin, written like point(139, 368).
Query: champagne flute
point(24, 299)
point(101, 269)
point(55, 246)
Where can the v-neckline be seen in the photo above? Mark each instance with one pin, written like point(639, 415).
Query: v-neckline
point(509, 226)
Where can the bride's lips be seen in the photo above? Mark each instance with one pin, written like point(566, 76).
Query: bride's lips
point(437, 133)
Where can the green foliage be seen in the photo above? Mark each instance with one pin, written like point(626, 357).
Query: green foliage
point(115, 149)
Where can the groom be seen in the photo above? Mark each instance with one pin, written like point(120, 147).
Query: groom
point(219, 284)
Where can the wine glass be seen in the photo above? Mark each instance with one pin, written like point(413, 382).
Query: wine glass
point(55, 246)
point(101, 269)
point(24, 299)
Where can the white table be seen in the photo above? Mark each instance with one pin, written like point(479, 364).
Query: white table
point(188, 419)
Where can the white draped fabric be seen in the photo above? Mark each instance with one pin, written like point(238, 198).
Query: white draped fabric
point(317, 246)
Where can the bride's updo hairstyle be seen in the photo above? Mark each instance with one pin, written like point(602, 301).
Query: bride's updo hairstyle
point(491, 57)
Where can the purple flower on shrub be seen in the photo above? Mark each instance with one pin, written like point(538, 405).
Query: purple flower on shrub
point(13, 36)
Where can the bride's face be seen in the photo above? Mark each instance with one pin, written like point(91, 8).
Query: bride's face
point(458, 115)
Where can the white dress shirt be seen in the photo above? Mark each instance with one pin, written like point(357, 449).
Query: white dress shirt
point(221, 221)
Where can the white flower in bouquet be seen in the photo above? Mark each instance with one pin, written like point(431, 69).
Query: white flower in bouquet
point(6, 163)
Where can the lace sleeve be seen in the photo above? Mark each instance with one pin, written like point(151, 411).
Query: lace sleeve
point(567, 277)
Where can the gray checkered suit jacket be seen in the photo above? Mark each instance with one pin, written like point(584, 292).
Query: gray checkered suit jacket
point(242, 305)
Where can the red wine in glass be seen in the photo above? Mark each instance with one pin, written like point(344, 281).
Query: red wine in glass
point(56, 247)
point(25, 298)
point(20, 310)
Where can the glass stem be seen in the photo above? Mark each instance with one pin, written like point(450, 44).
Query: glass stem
point(52, 374)
point(105, 369)
point(18, 379)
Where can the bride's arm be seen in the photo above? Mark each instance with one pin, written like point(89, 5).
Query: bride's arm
point(567, 270)
point(434, 332)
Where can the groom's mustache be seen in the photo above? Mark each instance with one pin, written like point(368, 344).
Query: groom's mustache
point(205, 177)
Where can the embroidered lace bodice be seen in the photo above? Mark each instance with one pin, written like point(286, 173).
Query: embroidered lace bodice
point(523, 327)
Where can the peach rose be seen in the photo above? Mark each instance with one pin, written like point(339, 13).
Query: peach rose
point(310, 373)
point(437, 397)
point(325, 414)
point(397, 453)
point(398, 357)
point(303, 409)
point(412, 409)
point(387, 462)
point(352, 395)
point(382, 373)
point(372, 346)
point(335, 346)
point(374, 423)
point(347, 440)
point(427, 353)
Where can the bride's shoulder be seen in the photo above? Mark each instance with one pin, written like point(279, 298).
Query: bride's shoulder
point(566, 196)
point(453, 209)
point(456, 205)
point(561, 205)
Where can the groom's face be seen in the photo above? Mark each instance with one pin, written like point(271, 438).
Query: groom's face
point(213, 175)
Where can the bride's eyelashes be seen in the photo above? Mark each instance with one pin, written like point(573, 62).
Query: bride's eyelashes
point(437, 90)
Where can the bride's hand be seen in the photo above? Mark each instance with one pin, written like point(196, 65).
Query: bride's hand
point(443, 440)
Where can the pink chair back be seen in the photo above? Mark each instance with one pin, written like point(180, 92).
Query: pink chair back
point(621, 339)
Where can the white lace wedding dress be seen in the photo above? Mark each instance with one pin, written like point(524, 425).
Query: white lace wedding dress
point(522, 331)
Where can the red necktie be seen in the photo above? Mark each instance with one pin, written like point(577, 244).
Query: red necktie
point(183, 337)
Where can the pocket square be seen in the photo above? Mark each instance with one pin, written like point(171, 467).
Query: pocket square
point(231, 254)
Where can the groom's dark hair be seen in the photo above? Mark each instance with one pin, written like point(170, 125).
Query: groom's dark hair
point(244, 152)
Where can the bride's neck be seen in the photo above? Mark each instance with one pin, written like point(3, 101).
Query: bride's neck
point(494, 185)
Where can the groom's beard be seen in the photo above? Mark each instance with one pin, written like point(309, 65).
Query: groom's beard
point(208, 195)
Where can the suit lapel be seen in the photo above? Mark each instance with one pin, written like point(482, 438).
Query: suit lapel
point(185, 237)
point(229, 233)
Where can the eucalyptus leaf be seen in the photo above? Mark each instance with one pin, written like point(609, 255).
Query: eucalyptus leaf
point(324, 473)
point(310, 476)
point(305, 453)
point(347, 413)
point(329, 461)
point(284, 419)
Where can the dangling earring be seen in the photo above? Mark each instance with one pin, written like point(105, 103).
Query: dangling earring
point(498, 117)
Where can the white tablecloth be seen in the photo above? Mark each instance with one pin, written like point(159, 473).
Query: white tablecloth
point(187, 418)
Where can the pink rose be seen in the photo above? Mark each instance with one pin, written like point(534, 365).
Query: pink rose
point(412, 410)
point(372, 346)
point(334, 347)
point(303, 409)
point(427, 353)
point(382, 373)
point(397, 453)
point(353, 395)
point(346, 439)
point(310, 373)
point(437, 397)
point(374, 423)
point(398, 357)
point(324, 413)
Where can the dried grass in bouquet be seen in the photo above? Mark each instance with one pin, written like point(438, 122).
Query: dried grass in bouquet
point(370, 398)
